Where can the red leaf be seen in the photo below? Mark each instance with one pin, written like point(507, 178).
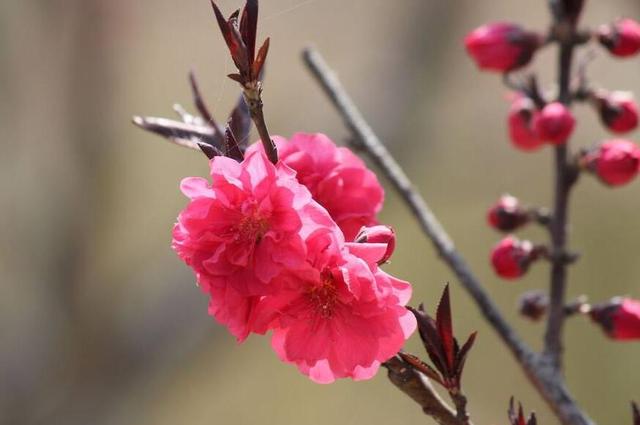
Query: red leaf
point(431, 340)
point(223, 24)
point(260, 59)
point(235, 77)
point(421, 366)
point(249, 27)
point(445, 329)
point(208, 150)
point(462, 355)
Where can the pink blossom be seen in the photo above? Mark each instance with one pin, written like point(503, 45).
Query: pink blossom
point(341, 316)
point(501, 46)
point(242, 230)
point(379, 234)
point(337, 179)
point(507, 214)
point(618, 111)
point(619, 318)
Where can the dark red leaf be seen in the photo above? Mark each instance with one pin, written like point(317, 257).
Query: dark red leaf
point(199, 101)
point(231, 146)
point(445, 329)
point(235, 77)
point(208, 150)
point(462, 355)
point(636, 413)
point(249, 27)
point(240, 123)
point(260, 60)
point(421, 366)
point(239, 52)
point(532, 419)
point(223, 24)
point(431, 340)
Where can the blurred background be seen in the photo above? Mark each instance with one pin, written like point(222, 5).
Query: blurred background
point(100, 323)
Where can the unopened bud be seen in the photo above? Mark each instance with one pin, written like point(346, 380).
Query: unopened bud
point(533, 304)
point(520, 128)
point(615, 161)
point(621, 38)
point(379, 234)
point(619, 318)
point(511, 257)
point(502, 46)
point(618, 111)
point(554, 123)
point(507, 214)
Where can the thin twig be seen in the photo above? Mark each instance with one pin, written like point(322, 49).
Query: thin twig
point(549, 384)
point(417, 386)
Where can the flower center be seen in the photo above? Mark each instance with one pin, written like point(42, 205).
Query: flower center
point(324, 296)
point(252, 228)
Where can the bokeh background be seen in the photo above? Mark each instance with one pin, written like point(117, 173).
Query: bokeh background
point(100, 323)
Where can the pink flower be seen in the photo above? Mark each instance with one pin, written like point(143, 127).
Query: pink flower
point(507, 214)
point(520, 131)
point(554, 123)
point(618, 111)
point(511, 257)
point(341, 316)
point(615, 162)
point(337, 179)
point(622, 38)
point(242, 230)
point(619, 318)
point(501, 46)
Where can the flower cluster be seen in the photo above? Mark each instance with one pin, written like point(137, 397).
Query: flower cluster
point(267, 244)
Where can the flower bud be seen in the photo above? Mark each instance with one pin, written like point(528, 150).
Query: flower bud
point(554, 123)
point(511, 257)
point(507, 214)
point(519, 121)
point(621, 38)
point(379, 234)
point(619, 318)
point(501, 46)
point(615, 161)
point(618, 111)
point(533, 304)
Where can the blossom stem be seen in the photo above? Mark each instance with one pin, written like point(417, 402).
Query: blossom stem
point(253, 97)
point(548, 383)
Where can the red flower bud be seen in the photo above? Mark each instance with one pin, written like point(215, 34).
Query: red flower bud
point(379, 234)
point(533, 305)
point(554, 123)
point(501, 46)
point(507, 214)
point(618, 111)
point(619, 318)
point(615, 161)
point(520, 131)
point(511, 257)
point(621, 38)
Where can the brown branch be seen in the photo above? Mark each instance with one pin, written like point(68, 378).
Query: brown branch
point(419, 389)
point(545, 379)
point(565, 176)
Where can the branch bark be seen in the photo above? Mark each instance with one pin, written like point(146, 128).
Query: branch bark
point(419, 389)
point(548, 383)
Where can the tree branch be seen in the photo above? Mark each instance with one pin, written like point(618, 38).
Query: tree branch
point(549, 384)
point(417, 386)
